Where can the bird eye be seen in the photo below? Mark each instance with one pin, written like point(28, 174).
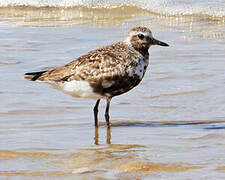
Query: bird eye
point(141, 36)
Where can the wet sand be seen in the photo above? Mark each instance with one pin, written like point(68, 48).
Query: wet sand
point(171, 125)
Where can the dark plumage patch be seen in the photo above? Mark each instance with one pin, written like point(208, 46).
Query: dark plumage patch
point(66, 78)
point(33, 76)
point(120, 85)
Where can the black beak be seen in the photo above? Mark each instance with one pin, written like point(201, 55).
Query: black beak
point(160, 43)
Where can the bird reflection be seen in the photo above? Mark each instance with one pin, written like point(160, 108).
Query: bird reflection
point(108, 139)
point(108, 135)
point(96, 135)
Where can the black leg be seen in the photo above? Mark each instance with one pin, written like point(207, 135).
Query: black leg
point(107, 111)
point(96, 112)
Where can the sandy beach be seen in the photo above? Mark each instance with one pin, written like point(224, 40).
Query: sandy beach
point(170, 127)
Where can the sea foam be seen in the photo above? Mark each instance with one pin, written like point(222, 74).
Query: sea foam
point(215, 8)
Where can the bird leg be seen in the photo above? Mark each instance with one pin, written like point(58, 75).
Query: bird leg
point(107, 111)
point(96, 112)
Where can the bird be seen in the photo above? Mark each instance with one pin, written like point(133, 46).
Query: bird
point(103, 73)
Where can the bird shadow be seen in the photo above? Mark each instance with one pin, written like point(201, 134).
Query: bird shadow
point(212, 124)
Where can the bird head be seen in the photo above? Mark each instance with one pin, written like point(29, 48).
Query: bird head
point(140, 38)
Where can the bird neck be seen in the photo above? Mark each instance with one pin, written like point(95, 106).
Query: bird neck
point(143, 51)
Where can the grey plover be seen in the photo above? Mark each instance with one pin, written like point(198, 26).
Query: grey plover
point(104, 73)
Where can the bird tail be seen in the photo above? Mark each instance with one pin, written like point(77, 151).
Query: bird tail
point(33, 76)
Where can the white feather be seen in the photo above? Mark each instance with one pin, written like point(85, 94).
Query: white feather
point(77, 89)
point(134, 33)
point(139, 69)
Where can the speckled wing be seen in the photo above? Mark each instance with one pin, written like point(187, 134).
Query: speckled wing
point(106, 70)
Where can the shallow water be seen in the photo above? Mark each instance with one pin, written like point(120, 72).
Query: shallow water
point(171, 125)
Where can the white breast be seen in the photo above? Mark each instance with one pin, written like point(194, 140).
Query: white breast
point(139, 69)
